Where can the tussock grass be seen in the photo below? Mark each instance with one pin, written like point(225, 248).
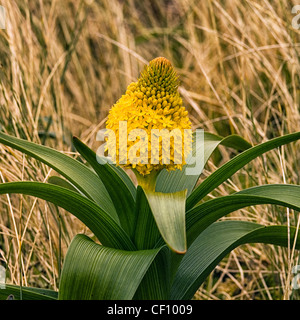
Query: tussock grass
point(64, 63)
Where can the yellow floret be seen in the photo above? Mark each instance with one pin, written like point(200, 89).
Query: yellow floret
point(153, 102)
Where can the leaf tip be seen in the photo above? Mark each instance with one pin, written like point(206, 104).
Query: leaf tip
point(180, 251)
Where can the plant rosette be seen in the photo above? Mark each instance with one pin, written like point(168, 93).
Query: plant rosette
point(159, 240)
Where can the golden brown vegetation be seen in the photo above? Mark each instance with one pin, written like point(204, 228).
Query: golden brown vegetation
point(65, 63)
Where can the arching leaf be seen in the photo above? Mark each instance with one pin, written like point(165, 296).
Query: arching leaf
point(214, 244)
point(74, 171)
point(98, 221)
point(232, 166)
point(178, 180)
point(95, 272)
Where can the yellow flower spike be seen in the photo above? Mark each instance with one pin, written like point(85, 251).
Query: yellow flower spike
point(153, 102)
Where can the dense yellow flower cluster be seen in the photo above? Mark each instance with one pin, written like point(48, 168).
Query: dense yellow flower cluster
point(153, 102)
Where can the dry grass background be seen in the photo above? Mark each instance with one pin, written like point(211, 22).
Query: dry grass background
point(64, 63)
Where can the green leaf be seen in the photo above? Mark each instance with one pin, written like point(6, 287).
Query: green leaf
point(98, 221)
point(58, 181)
point(119, 171)
point(178, 180)
point(289, 193)
point(156, 282)
point(118, 186)
point(214, 244)
point(233, 141)
point(28, 293)
point(146, 231)
point(201, 216)
point(232, 166)
point(168, 210)
point(77, 173)
point(95, 272)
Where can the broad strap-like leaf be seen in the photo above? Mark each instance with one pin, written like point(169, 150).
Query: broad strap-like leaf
point(105, 228)
point(156, 282)
point(232, 166)
point(95, 272)
point(118, 186)
point(178, 180)
point(74, 171)
point(201, 216)
point(28, 293)
point(146, 231)
point(168, 210)
point(119, 171)
point(214, 244)
point(58, 181)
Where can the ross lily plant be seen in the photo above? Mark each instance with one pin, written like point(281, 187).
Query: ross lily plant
point(160, 239)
